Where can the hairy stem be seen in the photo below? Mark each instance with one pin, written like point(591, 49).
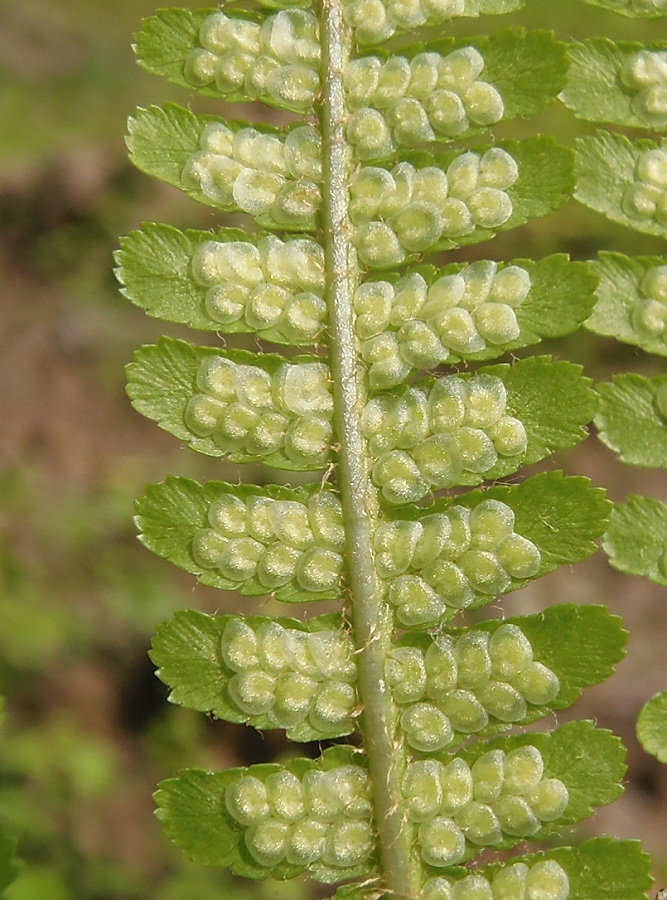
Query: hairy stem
point(371, 617)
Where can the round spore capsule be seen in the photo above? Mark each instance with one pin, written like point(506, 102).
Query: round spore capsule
point(395, 543)
point(378, 245)
point(285, 796)
point(226, 303)
point(460, 532)
point(509, 436)
point(483, 103)
point(348, 844)
point(360, 79)
point(293, 696)
point(354, 789)
point(516, 817)
point(497, 323)
point(200, 67)
point(398, 477)
point(548, 799)
point(457, 786)
point(465, 711)
point(422, 789)
point(547, 880)
point(473, 887)
point(484, 572)
point(480, 824)
point(502, 701)
point(537, 683)
point(427, 728)
point(227, 515)
point(450, 583)
point(497, 169)
point(649, 317)
point(372, 305)
point(654, 283)
point(277, 565)
point(509, 883)
point(473, 660)
point(332, 651)
point(519, 556)
point(490, 522)
point(294, 86)
point(438, 459)
point(437, 889)
point(369, 134)
point(441, 668)
point(419, 345)
point(301, 658)
point(488, 776)
point(510, 286)
point(207, 548)
point(510, 652)
point(246, 800)
point(406, 674)
point(442, 843)
point(273, 647)
point(252, 692)
point(436, 530)
point(306, 842)
point(289, 521)
point(265, 306)
point(474, 450)
point(267, 841)
point(457, 331)
point(239, 646)
point(238, 561)
point(326, 520)
point(524, 768)
point(332, 707)
point(215, 376)
point(489, 208)
point(322, 795)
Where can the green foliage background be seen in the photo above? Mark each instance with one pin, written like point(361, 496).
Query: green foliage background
point(88, 733)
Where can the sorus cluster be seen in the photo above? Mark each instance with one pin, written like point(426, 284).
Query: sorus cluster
point(545, 880)
point(272, 175)
point(433, 435)
point(501, 794)
point(459, 684)
point(645, 75)
point(463, 558)
point(646, 198)
point(277, 61)
point(321, 817)
point(410, 101)
point(649, 316)
point(407, 210)
point(273, 286)
point(274, 542)
point(410, 324)
point(291, 676)
point(245, 410)
point(374, 21)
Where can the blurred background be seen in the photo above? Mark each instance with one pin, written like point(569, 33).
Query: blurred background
point(88, 731)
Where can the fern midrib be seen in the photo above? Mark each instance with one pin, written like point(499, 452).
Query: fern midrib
point(371, 617)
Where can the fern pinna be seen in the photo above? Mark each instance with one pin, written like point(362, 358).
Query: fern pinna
point(627, 86)
point(347, 199)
